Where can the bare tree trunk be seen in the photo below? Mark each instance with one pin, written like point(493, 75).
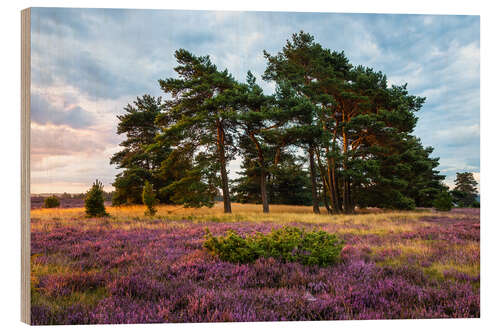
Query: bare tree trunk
point(329, 181)
point(325, 200)
point(334, 192)
point(337, 193)
point(346, 195)
point(323, 175)
point(263, 175)
point(345, 198)
point(333, 186)
point(263, 190)
point(223, 172)
point(351, 199)
point(314, 192)
point(225, 189)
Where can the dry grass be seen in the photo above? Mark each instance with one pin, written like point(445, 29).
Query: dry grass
point(241, 212)
point(128, 217)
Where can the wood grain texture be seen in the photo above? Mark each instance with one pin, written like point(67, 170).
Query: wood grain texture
point(25, 163)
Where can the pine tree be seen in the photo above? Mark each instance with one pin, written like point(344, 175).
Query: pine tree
point(194, 177)
point(51, 202)
point(287, 182)
point(443, 201)
point(296, 69)
point(465, 191)
point(401, 175)
point(140, 159)
point(262, 134)
point(94, 201)
point(149, 199)
point(340, 124)
point(359, 116)
point(199, 115)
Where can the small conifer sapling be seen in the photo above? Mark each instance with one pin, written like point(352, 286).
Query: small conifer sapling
point(149, 199)
point(94, 201)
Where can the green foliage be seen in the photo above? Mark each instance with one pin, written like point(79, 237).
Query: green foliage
point(51, 202)
point(402, 202)
point(465, 182)
point(287, 182)
point(94, 201)
point(140, 158)
point(128, 185)
point(476, 204)
point(193, 183)
point(354, 128)
point(358, 127)
point(443, 201)
point(149, 199)
point(200, 120)
point(405, 170)
point(465, 191)
point(286, 244)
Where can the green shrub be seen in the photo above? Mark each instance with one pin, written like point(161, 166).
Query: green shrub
point(476, 204)
point(443, 201)
point(149, 199)
point(51, 202)
point(94, 201)
point(401, 202)
point(286, 244)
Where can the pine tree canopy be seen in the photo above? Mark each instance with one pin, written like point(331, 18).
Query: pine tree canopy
point(331, 134)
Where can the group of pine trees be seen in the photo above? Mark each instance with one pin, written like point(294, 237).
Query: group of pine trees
point(332, 134)
point(464, 194)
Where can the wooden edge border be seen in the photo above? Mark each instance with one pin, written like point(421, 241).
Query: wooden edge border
point(25, 165)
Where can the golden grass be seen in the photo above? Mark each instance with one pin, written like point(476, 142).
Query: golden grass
point(241, 212)
point(128, 217)
point(418, 247)
point(175, 210)
point(461, 258)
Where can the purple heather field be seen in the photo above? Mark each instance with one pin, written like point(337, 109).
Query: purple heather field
point(127, 270)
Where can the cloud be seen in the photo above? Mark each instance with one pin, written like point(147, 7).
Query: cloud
point(459, 135)
point(43, 112)
point(63, 140)
point(89, 63)
point(60, 155)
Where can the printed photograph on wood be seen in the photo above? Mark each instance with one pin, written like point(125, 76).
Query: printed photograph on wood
point(210, 166)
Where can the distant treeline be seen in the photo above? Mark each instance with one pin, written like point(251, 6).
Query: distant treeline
point(331, 134)
point(106, 195)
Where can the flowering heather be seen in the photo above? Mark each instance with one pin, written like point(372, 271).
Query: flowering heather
point(151, 270)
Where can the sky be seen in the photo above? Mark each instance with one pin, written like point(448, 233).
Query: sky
point(88, 64)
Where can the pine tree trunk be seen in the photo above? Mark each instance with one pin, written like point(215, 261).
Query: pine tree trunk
point(329, 182)
point(323, 175)
point(263, 174)
point(325, 200)
point(225, 188)
point(346, 195)
point(263, 190)
point(333, 185)
point(223, 171)
point(335, 193)
point(314, 193)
